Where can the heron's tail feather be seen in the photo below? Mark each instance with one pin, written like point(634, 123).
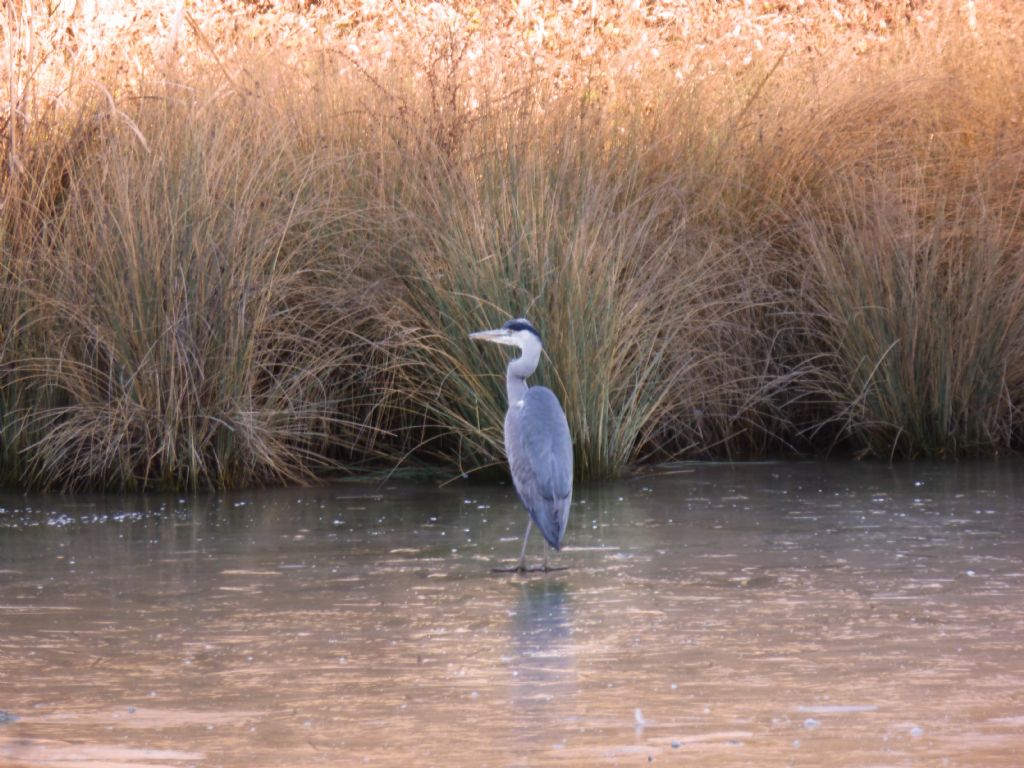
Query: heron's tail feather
point(551, 519)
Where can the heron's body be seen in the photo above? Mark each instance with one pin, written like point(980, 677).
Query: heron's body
point(537, 440)
point(541, 460)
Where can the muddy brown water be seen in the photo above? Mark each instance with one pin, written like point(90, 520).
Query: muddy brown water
point(779, 614)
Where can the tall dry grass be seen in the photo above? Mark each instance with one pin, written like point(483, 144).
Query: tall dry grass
point(573, 217)
point(895, 191)
point(186, 312)
point(263, 266)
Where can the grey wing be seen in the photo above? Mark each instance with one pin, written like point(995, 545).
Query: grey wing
point(539, 450)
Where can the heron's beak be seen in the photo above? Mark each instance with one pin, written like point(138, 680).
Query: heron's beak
point(498, 336)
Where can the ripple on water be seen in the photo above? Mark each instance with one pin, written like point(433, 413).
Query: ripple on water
point(732, 615)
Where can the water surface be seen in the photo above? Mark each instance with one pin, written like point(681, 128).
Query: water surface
point(748, 615)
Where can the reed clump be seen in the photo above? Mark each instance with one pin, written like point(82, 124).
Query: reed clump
point(186, 313)
point(898, 191)
point(227, 264)
point(647, 315)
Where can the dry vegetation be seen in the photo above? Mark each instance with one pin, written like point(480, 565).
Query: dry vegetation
point(245, 242)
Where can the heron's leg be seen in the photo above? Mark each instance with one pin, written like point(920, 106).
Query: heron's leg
point(546, 568)
point(519, 567)
point(526, 538)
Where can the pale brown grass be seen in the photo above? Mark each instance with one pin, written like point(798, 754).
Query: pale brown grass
point(225, 265)
point(894, 194)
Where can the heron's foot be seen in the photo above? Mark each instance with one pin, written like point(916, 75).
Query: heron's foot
point(521, 568)
point(517, 568)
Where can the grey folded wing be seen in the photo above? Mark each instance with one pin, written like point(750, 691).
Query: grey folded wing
point(539, 449)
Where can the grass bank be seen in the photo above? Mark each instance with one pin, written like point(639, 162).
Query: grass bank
point(228, 263)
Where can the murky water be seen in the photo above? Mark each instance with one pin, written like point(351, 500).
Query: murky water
point(755, 615)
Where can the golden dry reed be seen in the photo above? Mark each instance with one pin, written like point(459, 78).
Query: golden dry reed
point(235, 264)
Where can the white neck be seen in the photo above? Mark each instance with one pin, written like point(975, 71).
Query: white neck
point(522, 367)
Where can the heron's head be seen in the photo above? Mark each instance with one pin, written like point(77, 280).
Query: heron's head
point(514, 333)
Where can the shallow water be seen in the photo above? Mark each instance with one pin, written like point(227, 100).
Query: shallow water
point(751, 615)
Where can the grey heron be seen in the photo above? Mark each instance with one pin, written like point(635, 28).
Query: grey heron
point(537, 441)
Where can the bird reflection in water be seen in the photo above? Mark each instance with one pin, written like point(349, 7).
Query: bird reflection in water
point(543, 659)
